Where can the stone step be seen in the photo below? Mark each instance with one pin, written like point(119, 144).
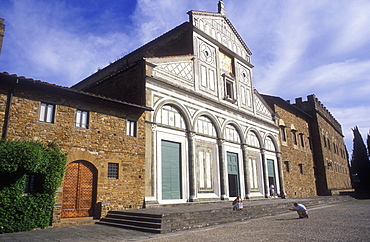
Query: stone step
point(77, 221)
point(165, 219)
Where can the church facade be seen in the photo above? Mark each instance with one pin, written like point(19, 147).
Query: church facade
point(211, 136)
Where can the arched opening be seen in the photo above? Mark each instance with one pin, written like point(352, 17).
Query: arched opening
point(233, 160)
point(79, 190)
point(206, 155)
point(272, 169)
point(254, 164)
point(171, 149)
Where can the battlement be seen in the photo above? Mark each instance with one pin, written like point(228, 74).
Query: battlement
point(313, 105)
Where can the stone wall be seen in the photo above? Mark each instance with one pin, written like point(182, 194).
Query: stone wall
point(104, 141)
point(297, 160)
point(330, 154)
point(335, 161)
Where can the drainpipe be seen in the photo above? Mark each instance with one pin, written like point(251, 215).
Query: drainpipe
point(7, 112)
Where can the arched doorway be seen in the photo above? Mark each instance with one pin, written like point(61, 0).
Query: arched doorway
point(79, 190)
point(171, 147)
point(233, 174)
point(232, 137)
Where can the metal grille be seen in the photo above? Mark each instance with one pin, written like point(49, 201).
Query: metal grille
point(113, 170)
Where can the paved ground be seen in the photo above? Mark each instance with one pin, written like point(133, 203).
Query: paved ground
point(340, 222)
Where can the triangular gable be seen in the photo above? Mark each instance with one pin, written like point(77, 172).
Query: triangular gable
point(262, 108)
point(221, 29)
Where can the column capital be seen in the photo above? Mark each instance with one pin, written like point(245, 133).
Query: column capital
point(220, 141)
point(190, 134)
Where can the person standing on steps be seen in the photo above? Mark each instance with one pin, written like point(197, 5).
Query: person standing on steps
point(272, 190)
point(301, 210)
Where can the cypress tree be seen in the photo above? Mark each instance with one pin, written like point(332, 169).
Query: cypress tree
point(360, 165)
point(368, 144)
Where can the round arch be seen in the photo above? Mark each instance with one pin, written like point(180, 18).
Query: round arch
point(79, 189)
point(273, 141)
point(83, 155)
point(258, 135)
point(179, 107)
point(236, 126)
point(210, 117)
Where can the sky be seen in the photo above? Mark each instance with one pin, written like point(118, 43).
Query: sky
point(299, 47)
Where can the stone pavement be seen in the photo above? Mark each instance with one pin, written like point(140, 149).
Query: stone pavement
point(343, 222)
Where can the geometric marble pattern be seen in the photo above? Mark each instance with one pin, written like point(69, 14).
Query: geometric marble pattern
point(261, 108)
point(182, 69)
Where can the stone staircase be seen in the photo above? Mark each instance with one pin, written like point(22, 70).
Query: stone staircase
point(170, 218)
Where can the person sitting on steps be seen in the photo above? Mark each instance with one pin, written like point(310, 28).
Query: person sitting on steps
point(238, 203)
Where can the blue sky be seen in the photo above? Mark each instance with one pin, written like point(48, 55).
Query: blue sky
point(299, 47)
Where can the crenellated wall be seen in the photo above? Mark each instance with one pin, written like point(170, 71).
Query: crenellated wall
point(314, 104)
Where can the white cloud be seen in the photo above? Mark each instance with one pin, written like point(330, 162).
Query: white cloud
point(153, 18)
point(353, 27)
point(47, 45)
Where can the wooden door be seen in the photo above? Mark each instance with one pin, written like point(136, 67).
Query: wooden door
point(79, 190)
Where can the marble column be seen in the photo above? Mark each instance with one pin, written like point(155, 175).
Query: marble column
point(192, 171)
point(221, 158)
point(246, 171)
point(280, 173)
point(265, 175)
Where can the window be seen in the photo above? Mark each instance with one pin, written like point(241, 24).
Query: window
point(30, 183)
point(229, 85)
point(283, 133)
point(47, 112)
point(287, 168)
point(229, 89)
point(131, 128)
point(301, 137)
point(294, 136)
point(82, 119)
point(113, 170)
point(300, 168)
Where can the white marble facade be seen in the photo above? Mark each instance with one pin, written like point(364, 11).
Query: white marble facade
point(212, 136)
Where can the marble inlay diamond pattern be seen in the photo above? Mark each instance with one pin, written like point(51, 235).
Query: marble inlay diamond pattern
point(261, 108)
point(182, 69)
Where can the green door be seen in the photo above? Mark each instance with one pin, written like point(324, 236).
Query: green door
point(271, 172)
point(233, 174)
point(171, 171)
